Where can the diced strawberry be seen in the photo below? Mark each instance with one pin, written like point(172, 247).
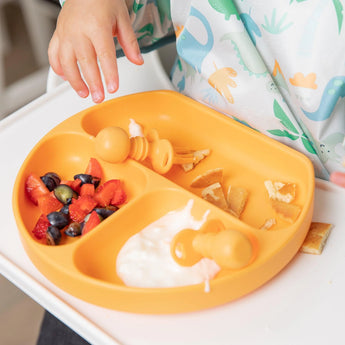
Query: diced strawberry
point(104, 197)
point(48, 203)
point(35, 188)
point(106, 191)
point(119, 197)
point(93, 221)
point(87, 189)
point(81, 207)
point(86, 203)
point(75, 184)
point(76, 213)
point(66, 182)
point(94, 168)
point(41, 227)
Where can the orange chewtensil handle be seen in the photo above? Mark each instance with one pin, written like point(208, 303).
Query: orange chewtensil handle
point(114, 145)
point(228, 248)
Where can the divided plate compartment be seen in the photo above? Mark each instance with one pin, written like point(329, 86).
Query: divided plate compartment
point(86, 266)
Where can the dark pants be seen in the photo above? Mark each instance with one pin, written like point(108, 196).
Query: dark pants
point(54, 332)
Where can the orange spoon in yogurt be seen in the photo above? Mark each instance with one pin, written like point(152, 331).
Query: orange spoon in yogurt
point(230, 249)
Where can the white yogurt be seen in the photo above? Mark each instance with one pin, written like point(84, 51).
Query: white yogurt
point(145, 259)
point(134, 129)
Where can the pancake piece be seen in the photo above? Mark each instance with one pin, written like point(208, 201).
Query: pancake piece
point(215, 195)
point(316, 238)
point(207, 178)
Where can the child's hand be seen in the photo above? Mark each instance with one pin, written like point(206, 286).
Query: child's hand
point(338, 178)
point(84, 33)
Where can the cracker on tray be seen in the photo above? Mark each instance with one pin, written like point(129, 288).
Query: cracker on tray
point(281, 191)
point(316, 238)
point(199, 155)
point(215, 195)
point(208, 178)
point(289, 212)
point(237, 198)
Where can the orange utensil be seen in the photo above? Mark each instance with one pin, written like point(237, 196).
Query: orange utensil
point(114, 145)
point(229, 248)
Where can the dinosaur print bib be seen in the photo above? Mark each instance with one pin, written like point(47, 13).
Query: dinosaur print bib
point(276, 66)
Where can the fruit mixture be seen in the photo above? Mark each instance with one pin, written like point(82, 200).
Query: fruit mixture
point(72, 207)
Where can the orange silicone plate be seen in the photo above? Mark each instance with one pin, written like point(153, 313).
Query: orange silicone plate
point(86, 267)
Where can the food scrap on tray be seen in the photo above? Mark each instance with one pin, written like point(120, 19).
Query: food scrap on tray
point(281, 191)
point(237, 198)
point(212, 183)
point(215, 195)
point(281, 196)
point(316, 238)
point(269, 222)
point(199, 155)
point(72, 207)
point(207, 178)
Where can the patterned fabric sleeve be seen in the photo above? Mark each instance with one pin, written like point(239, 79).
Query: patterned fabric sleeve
point(276, 66)
point(151, 21)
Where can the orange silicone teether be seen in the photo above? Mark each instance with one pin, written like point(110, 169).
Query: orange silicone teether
point(228, 248)
point(114, 145)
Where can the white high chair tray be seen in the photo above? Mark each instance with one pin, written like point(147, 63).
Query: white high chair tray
point(303, 304)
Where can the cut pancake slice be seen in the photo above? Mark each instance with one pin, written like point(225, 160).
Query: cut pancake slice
point(281, 191)
point(316, 238)
point(199, 155)
point(208, 178)
point(237, 198)
point(215, 195)
point(289, 212)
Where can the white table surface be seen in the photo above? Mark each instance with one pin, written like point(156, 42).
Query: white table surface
point(304, 304)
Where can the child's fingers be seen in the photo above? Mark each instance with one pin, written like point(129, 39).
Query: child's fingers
point(71, 70)
point(128, 41)
point(105, 50)
point(338, 178)
point(87, 59)
point(53, 56)
point(84, 37)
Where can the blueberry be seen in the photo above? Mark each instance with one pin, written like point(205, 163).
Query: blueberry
point(58, 219)
point(96, 181)
point(65, 209)
point(64, 193)
point(53, 235)
point(74, 229)
point(84, 178)
point(51, 180)
point(107, 211)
